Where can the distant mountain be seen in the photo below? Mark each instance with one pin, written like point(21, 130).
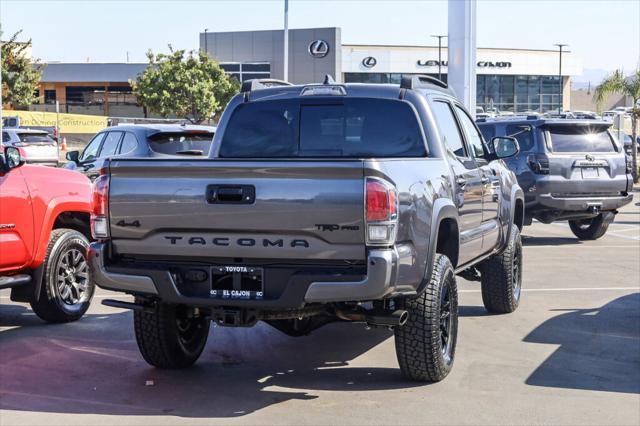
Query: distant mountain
point(589, 75)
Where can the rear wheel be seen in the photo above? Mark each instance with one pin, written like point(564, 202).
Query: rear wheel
point(589, 229)
point(426, 344)
point(66, 288)
point(501, 277)
point(171, 336)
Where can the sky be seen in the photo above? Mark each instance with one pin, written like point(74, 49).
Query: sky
point(604, 34)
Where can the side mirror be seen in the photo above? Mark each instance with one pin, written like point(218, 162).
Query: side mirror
point(12, 158)
point(505, 146)
point(73, 156)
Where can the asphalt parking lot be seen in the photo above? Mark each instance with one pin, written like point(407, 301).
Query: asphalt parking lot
point(569, 355)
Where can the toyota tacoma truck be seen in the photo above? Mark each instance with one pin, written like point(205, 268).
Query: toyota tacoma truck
point(317, 203)
point(44, 236)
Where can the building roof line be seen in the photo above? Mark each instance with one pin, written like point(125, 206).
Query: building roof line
point(444, 47)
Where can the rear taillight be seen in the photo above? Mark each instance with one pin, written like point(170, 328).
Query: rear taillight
point(539, 164)
point(99, 208)
point(381, 212)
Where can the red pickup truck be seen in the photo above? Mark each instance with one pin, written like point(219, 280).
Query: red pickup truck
point(44, 235)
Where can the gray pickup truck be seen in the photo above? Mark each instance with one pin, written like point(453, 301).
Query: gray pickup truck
point(317, 203)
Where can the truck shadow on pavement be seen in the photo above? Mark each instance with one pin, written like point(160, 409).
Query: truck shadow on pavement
point(92, 366)
point(549, 241)
point(599, 348)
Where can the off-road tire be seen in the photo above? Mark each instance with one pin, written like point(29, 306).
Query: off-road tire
point(419, 343)
point(49, 304)
point(160, 340)
point(501, 277)
point(589, 229)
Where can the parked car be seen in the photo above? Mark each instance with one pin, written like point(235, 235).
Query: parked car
point(317, 203)
point(627, 144)
point(14, 122)
point(35, 146)
point(569, 170)
point(609, 115)
point(44, 235)
point(140, 140)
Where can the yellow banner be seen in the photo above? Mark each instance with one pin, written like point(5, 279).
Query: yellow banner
point(69, 123)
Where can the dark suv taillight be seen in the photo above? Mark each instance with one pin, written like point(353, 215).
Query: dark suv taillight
point(539, 164)
point(99, 208)
point(381, 212)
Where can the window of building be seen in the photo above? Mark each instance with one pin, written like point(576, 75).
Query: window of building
point(49, 96)
point(247, 71)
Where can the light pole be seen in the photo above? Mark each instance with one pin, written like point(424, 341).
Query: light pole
point(206, 52)
point(439, 37)
point(285, 75)
point(560, 45)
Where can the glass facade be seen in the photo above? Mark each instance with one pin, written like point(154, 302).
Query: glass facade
point(514, 93)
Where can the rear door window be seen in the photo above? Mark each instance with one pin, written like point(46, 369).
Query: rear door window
point(580, 139)
point(194, 143)
point(449, 129)
point(488, 131)
point(129, 143)
point(110, 144)
point(352, 128)
point(523, 134)
point(474, 138)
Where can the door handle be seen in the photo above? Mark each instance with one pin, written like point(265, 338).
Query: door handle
point(231, 194)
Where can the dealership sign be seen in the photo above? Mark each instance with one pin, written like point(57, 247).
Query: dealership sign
point(480, 64)
point(369, 62)
point(318, 48)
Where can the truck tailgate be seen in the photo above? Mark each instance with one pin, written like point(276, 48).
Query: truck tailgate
point(237, 209)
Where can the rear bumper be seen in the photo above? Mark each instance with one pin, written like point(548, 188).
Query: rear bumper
point(300, 287)
point(578, 204)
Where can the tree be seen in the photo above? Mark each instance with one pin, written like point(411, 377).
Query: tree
point(20, 74)
point(629, 86)
point(188, 85)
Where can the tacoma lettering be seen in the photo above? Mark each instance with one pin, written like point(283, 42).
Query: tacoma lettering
point(243, 242)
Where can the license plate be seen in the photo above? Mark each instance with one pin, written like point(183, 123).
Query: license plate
point(236, 282)
point(590, 173)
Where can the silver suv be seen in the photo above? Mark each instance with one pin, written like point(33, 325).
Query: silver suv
point(36, 146)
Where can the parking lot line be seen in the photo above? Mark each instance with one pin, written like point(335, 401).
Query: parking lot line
point(566, 289)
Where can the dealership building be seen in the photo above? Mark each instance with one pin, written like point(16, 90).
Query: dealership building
point(508, 79)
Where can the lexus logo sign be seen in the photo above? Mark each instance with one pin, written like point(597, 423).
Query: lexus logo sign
point(318, 48)
point(369, 62)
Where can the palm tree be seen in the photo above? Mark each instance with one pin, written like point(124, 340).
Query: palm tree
point(630, 86)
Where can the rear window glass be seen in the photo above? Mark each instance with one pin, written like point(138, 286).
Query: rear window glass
point(181, 143)
point(35, 138)
point(581, 139)
point(341, 128)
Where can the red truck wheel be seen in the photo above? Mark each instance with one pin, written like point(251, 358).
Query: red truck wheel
point(67, 288)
